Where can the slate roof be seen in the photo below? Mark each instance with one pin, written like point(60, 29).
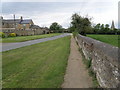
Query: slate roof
point(10, 21)
point(26, 21)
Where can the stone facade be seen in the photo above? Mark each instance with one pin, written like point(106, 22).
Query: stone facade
point(21, 27)
point(39, 31)
point(18, 24)
point(105, 60)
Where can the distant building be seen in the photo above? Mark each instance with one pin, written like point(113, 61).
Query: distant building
point(112, 26)
point(18, 24)
point(21, 27)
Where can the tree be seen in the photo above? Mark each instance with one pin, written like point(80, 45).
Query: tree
point(97, 28)
point(71, 29)
point(81, 24)
point(55, 27)
point(102, 29)
point(107, 26)
point(107, 29)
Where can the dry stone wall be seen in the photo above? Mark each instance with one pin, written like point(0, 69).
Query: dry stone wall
point(24, 32)
point(105, 60)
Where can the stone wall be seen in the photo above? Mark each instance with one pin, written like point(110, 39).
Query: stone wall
point(24, 32)
point(105, 61)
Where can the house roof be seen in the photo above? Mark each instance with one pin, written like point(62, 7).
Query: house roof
point(11, 21)
point(26, 21)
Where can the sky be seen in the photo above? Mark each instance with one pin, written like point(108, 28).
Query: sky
point(43, 13)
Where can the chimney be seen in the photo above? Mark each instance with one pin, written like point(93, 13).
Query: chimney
point(21, 18)
point(14, 17)
point(14, 21)
point(1, 17)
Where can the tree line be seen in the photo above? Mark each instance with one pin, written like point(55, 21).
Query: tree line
point(83, 26)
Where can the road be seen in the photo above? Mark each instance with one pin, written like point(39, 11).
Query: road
point(10, 46)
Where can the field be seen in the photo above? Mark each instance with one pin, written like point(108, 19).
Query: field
point(37, 66)
point(26, 38)
point(110, 39)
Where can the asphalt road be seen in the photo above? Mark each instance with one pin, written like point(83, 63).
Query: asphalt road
point(10, 46)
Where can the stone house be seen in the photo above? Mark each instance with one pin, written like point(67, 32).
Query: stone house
point(21, 27)
point(18, 24)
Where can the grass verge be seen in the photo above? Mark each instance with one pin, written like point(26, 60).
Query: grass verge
point(90, 71)
point(110, 39)
point(37, 66)
point(27, 38)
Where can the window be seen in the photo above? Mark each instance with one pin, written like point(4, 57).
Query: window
point(16, 25)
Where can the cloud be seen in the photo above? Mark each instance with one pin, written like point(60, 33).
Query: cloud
point(45, 13)
point(59, 0)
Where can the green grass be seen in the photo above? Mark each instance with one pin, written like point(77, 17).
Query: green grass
point(37, 66)
point(110, 39)
point(26, 38)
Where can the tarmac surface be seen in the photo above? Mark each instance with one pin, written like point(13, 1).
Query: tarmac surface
point(10, 46)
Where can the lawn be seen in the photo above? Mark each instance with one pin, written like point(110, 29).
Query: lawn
point(37, 66)
point(26, 38)
point(110, 39)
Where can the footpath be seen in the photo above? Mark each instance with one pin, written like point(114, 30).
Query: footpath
point(76, 73)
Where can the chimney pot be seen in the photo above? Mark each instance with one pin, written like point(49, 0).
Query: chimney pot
point(1, 18)
point(21, 18)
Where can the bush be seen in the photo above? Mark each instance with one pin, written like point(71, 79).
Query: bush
point(12, 34)
point(75, 34)
point(88, 63)
point(2, 34)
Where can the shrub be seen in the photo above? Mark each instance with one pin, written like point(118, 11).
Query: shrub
point(12, 34)
point(2, 34)
point(75, 34)
point(88, 63)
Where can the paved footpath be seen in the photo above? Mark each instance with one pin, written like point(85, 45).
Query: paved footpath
point(76, 74)
point(9, 46)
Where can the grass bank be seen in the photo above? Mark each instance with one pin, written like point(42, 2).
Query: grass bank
point(110, 39)
point(27, 38)
point(37, 66)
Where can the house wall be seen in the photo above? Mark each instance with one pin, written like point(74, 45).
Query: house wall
point(18, 26)
point(38, 31)
point(27, 26)
point(5, 25)
point(105, 60)
point(23, 32)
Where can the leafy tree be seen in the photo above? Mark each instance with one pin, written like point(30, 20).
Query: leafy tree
point(102, 29)
point(55, 27)
point(71, 29)
point(107, 29)
point(96, 28)
point(107, 26)
point(80, 24)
